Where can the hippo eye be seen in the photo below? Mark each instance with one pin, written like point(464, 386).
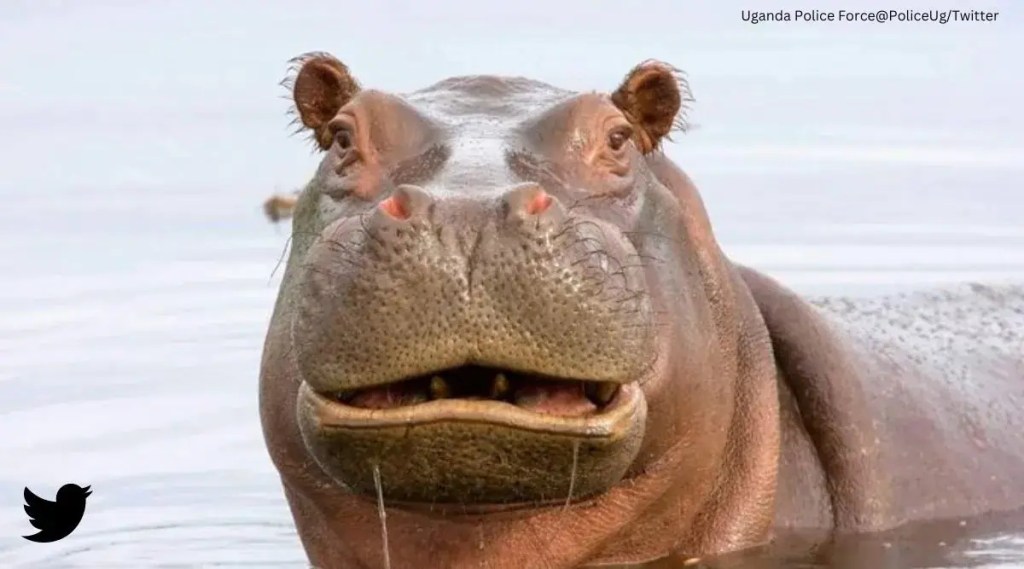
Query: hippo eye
point(343, 138)
point(618, 137)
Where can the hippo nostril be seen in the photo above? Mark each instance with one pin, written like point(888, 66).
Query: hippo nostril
point(394, 207)
point(405, 203)
point(540, 203)
point(527, 200)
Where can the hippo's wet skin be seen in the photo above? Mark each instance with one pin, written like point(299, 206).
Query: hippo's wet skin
point(505, 315)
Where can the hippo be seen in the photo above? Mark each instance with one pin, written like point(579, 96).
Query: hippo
point(506, 336)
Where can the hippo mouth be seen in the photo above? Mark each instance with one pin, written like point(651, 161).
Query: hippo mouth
point(472, 393)
point(561, 397)
point(475, 435)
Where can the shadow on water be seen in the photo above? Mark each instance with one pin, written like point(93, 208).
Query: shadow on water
point(989, 542)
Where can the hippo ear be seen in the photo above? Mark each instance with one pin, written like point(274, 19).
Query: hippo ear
point(652, 96)
point(320, 85)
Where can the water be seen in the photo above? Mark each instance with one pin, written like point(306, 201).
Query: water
point(137, 141)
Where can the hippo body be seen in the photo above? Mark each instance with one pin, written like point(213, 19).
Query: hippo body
point(507, 337)
point(928, 397)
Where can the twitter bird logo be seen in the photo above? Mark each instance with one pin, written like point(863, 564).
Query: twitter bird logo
point(56, 520)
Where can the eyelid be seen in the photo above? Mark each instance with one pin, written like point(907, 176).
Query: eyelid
point(624, 128)
point(614, 120)
point(341, 122)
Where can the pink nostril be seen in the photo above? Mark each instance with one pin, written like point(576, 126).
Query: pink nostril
point(395, 207)
point(540, 202)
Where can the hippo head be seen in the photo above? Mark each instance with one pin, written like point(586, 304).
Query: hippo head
point(501, 298)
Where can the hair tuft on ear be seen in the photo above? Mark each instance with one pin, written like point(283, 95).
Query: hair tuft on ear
point(319, 85)
point(655, 97)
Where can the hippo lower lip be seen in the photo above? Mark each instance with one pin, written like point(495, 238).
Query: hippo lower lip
point(465, 451)
point(510, 399)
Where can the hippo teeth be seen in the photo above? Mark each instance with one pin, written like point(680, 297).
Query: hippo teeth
point(534, 392)
point(439, 388)
point(601, 392)
point(500, 387)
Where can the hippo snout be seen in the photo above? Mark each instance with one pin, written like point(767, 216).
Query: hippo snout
point(506, 326)
point(425, 281)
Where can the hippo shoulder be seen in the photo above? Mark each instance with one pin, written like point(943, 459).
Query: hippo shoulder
point(911, 400)
point(943, 381)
